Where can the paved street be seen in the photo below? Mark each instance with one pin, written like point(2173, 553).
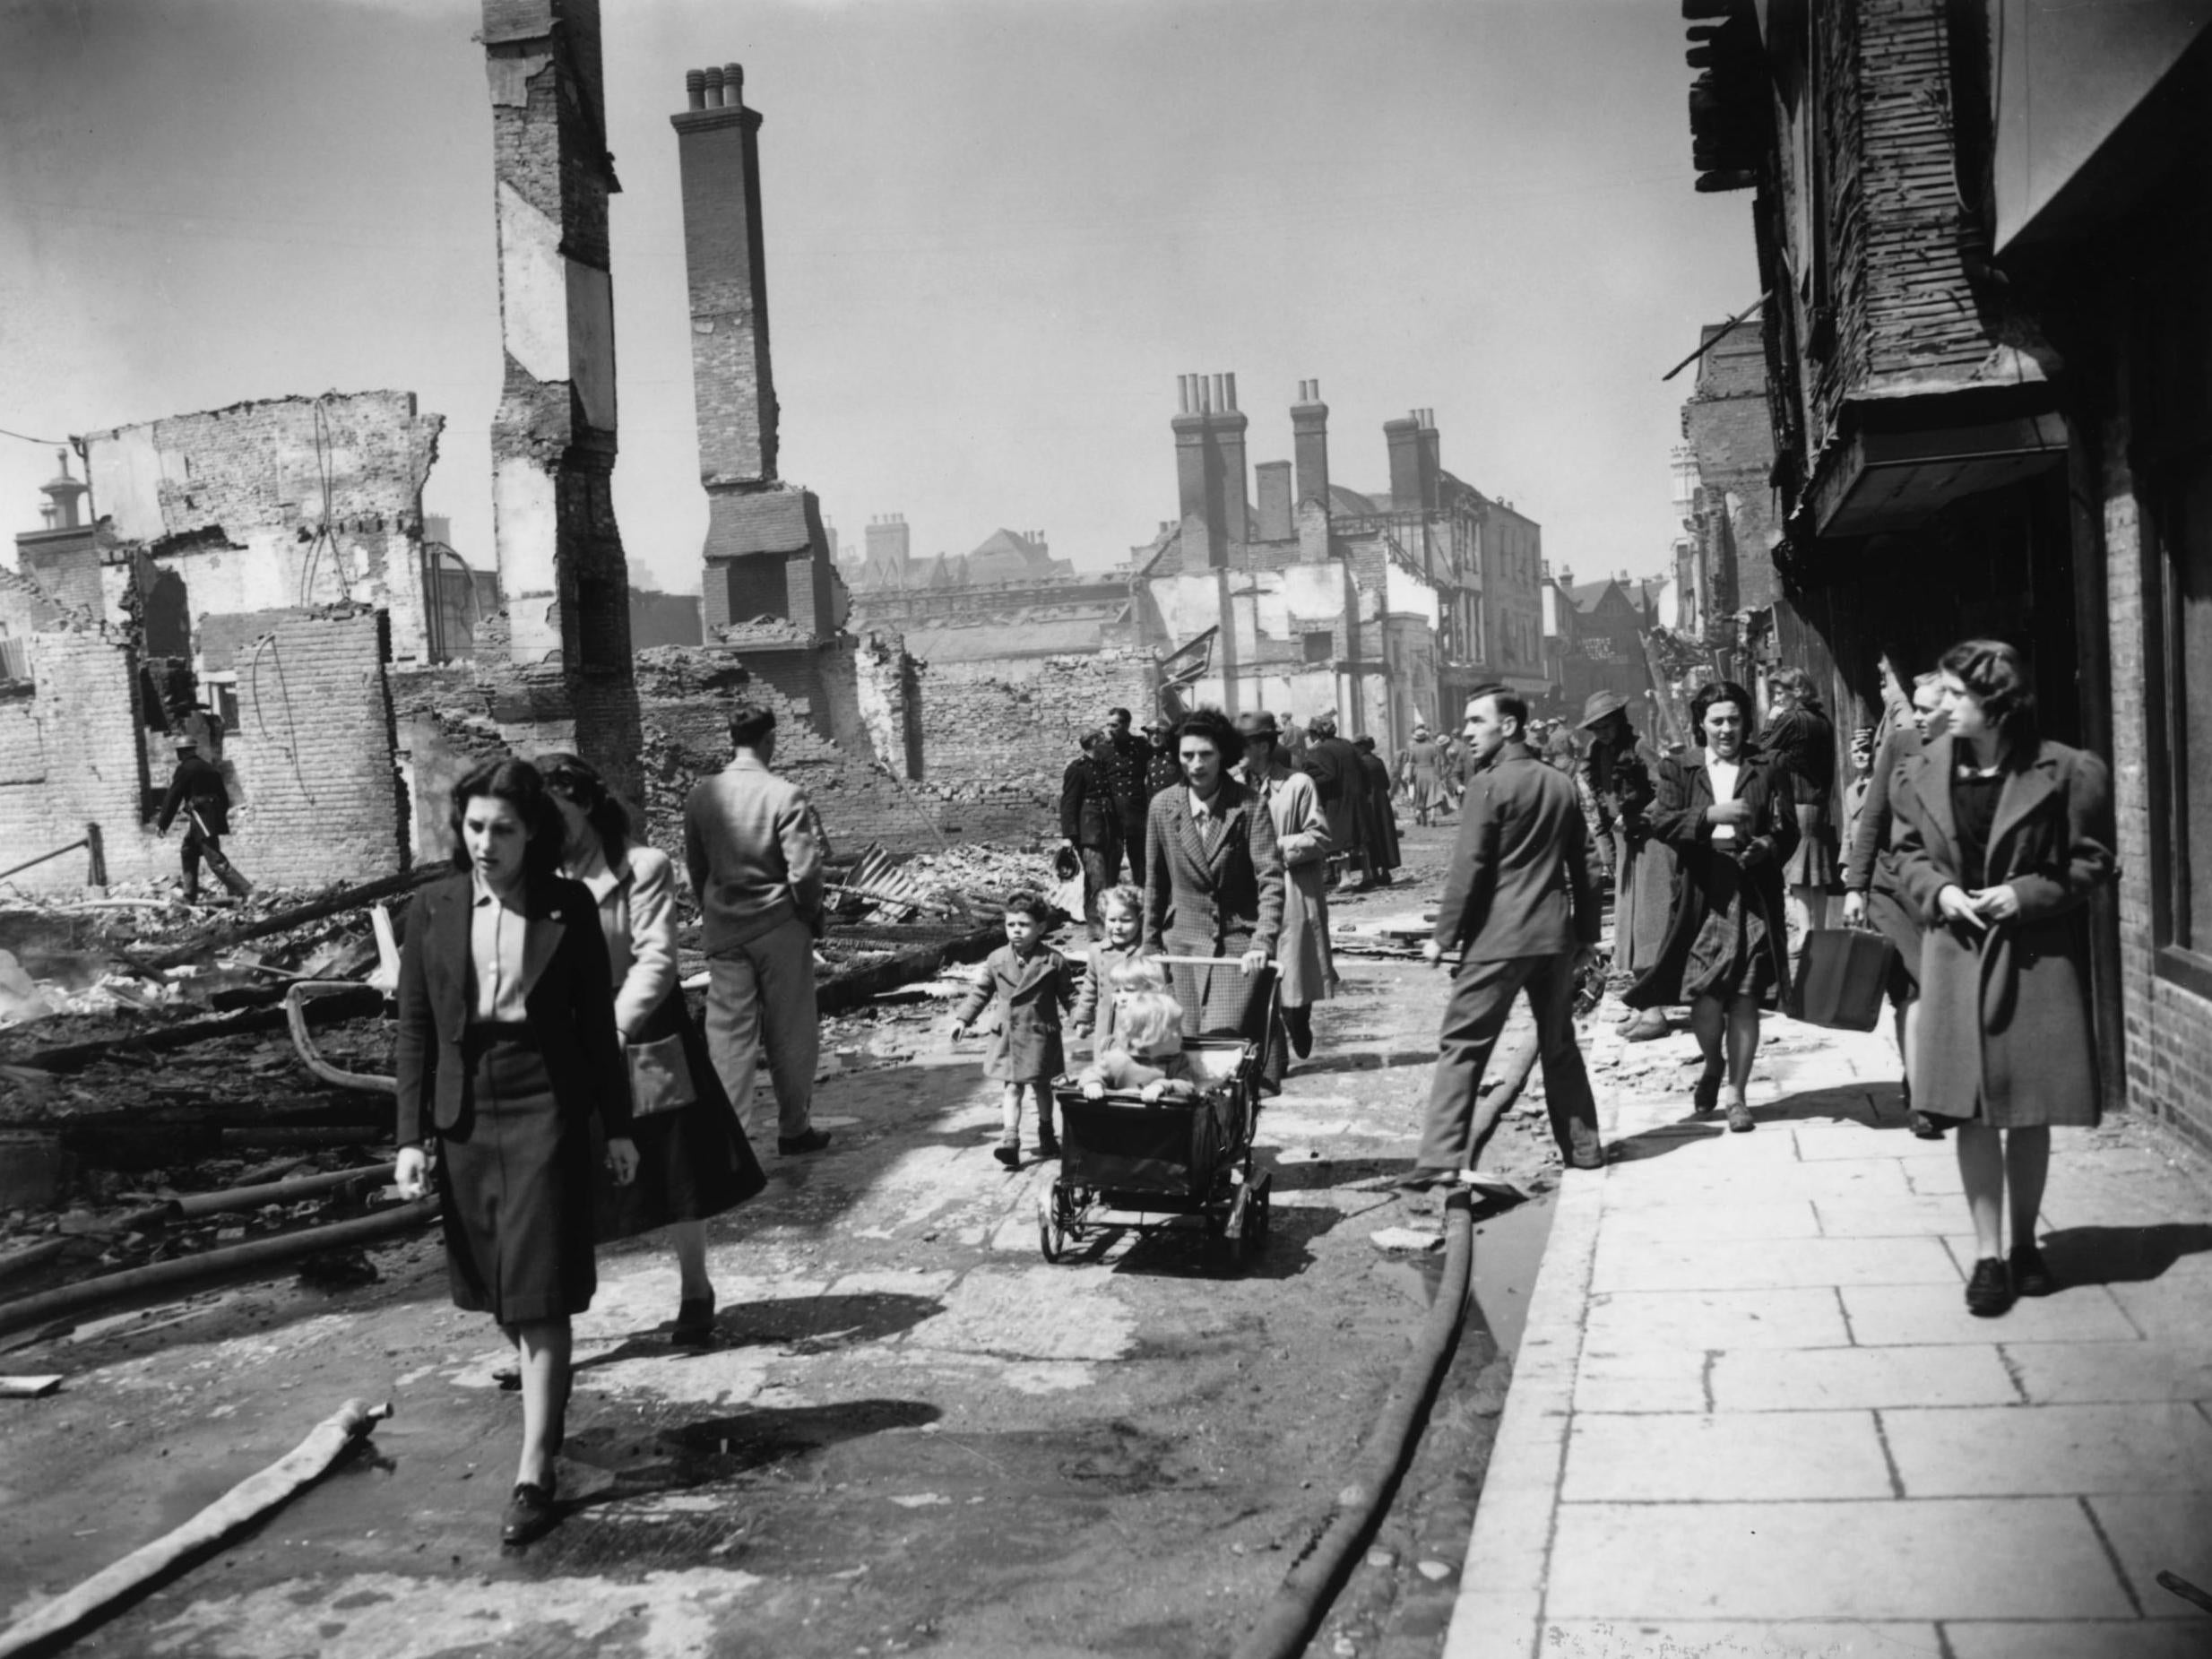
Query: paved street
point(915, 1434)
point(1752, 1415)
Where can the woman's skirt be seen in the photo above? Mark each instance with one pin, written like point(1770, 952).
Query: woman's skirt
point(692, 1162)
point(1428, 790)
point(514, 1175)
point(1730, 957)
point(1813, 862)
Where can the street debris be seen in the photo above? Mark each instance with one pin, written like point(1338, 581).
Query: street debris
point(246, 1502)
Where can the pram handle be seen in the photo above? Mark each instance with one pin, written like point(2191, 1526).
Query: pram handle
point(1197, 962)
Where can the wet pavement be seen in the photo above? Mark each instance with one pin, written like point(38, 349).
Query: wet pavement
point(914, 1434)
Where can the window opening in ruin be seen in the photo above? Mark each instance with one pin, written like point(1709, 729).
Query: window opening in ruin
point(167, 616)
point(757, 587)
point(1320, 646)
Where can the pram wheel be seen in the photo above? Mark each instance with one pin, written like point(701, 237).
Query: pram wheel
point(1052, 1211)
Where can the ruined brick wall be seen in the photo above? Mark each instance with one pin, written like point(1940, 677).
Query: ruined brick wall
point(998, 734)
point(314, 795)
point(1728, 423)
point(271, 506)
point(70, 755)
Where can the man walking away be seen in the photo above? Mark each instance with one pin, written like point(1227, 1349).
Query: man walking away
point(196, 787)
point(1091, 820)
point(1522, 909)
point(754, 863)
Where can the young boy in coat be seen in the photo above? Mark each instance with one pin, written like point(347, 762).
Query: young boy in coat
point(1028, 983)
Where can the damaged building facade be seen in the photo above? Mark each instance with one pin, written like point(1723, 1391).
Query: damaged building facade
point(1983, 230)
point(1386, 608)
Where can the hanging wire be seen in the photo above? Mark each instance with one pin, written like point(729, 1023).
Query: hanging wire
point(50, 442)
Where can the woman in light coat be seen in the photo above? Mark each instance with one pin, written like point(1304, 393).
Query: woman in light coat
point(1306, 970)
point(693, 1160)
point(2002, 837)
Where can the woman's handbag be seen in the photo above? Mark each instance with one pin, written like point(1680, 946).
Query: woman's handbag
point(660, 1078)
point(1842, 973)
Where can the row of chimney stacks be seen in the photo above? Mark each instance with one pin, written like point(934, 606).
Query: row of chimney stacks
point(715, 88)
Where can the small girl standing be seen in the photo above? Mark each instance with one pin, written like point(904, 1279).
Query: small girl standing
point(1123, 909)
point(1028, 984)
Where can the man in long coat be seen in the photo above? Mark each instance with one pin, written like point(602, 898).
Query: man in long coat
point(1521, 909)
point(1341, 781)
point(1304, 965)
point(1618, 777)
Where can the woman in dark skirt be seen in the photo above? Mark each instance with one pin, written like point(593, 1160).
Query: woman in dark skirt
point(1727, 814)
point(2003, 837)
point(693, 1160)
point(506, 1048)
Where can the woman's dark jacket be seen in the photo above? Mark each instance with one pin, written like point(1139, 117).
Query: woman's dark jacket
point(570, 1004)
point(1677, 816)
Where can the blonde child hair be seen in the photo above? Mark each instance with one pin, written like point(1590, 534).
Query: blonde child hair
point(1138, 973)
point(1129, 901)
point(1151, 1022)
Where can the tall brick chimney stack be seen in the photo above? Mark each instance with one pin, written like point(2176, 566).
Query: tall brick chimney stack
point(1402, 436)
point(1229, 427)
point(1431, 461)
point(1310, 433)
point(733, 385)
point(766, 553)
point(562, 569)
point(1273, 480)
point(1198, 475)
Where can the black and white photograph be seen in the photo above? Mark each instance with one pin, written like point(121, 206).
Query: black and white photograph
point(1392, 839)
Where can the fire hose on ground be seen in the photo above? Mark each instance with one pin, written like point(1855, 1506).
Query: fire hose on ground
point(1302, 1600)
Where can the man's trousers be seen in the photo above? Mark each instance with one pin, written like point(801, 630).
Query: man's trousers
point(762, 993)
point(1483, 994)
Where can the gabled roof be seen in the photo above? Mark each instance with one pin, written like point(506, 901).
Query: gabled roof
point(1003, 542)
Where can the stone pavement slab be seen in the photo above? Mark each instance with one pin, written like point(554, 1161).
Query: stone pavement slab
point(1760, 1420)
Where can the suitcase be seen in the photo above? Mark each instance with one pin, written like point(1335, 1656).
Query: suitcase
point(1842, 973)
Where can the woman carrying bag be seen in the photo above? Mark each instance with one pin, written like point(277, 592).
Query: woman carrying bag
point(693, 1160)
point(2003, 837)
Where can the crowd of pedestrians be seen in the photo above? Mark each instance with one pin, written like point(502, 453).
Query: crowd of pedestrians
point(545, 1048)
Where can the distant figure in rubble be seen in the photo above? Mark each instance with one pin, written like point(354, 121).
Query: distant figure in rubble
point(1091, 819)
point(756, 867)
point(196, 788)
point(1160, 769)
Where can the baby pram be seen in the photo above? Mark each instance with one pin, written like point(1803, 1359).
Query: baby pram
point(1123, 1160)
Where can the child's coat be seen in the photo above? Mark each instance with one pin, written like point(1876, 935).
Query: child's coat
point(1027, 996)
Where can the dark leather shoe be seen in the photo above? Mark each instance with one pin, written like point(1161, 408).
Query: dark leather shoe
point(2031, 1275)
point(1923, 1127)
point(809, 1140)
point(530, 1514)
point(1990, 1291)
point(1008, 1153)
point(1706, 1096)
point(1048, 1145)
point(694, 1322)
point(1739, 1119)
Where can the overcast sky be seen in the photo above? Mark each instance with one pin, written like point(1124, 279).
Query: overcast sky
point(997, 233)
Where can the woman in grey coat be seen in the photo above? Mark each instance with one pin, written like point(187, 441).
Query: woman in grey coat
point(2002, 837)
point(1304, 965)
